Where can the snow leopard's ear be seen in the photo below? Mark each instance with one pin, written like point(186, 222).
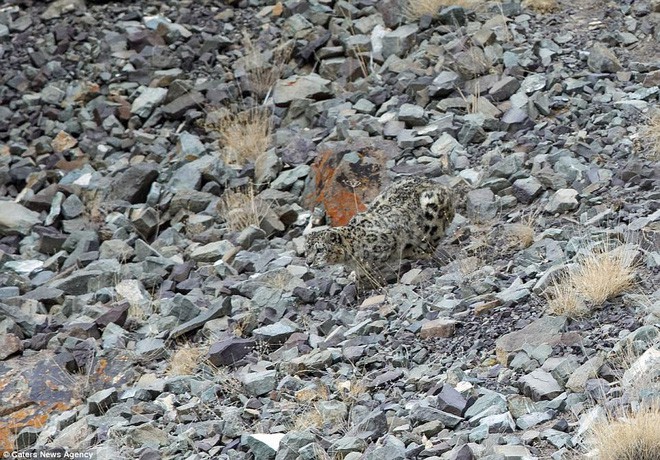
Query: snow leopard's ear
point(316, 219)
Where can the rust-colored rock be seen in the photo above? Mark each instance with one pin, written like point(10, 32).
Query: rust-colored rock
point(63, 141)
point(438, 328)
point(347, 175)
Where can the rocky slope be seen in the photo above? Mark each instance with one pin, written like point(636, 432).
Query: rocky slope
point(142, 316)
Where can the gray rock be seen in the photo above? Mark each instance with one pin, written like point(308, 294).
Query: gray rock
point(390, 448)
point(212, 251)
point(462, 452)
point(9, 344)
point(116, 249)
point(259, 383)
point(264, 446)
point(578, 379)
point(540, 385)
point(348, 444)
point(147, 101)
point(299, 87)
point(453, 15)
point(451, 401)
point(26, 437)
point(545, 330)
point(317, 359)
point(373, 422)
point(72, 207)
point(219, 308)
point(189, 146)
point(9, 291)
point(101, 401)
point(646, 368)
point(504, 88)
point(133, 184)
point(59, 7)
point(532, 83)
point(146, 220)
point(85, 281)
point(180, 306)
point(444, 83)
point(489, 403)
point(51, 94)
point(532, 419)
point(563, 200)
point(425, 414)
point(481, 205)
point(145, 435)
point(499, 423)
point(182, 104)
point(16, 219)
point(150, 349)
point(603, 60)
point(399, 41)
point(526, 190)
point(228, 352)
point(412, 114)
point(561, 367)
point(276, 332)
point(291, 444)
point(515, 116)
point(512, 452)
point(267, 167)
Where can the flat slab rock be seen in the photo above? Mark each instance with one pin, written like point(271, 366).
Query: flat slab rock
point(545, 330)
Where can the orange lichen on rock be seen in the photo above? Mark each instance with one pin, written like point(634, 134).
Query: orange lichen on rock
point(345, 179)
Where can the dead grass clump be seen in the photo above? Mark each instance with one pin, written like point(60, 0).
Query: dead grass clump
point(631, 437)
point(264, 69)
point(241, 208)
point(520, 235)
point(244, 135)
point(650, 136)
point(185, 359)
point(598, 276)
point(541, 6)
point(311, 418)
point(563, 300)
point(415, 9)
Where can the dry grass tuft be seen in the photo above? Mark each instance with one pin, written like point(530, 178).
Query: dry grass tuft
point(415, 9)
point(241, 208)
point(632, 437)
point(563, 300)
point(541, 6)
point(311, 418)
point(244, 135)
point(520, 235)
point(265, 69)
point(185, 359)
point(650, 136)
point(598, 276)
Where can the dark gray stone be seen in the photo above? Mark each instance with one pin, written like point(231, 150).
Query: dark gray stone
point(228, 352)
point(133, 184)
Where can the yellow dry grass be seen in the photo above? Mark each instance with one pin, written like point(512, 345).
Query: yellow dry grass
point(311, 418)
point(520, 235)
point(415, 9)
point(185, 359)
point(598, 276)
point(241, 209)
point(263, 74)
point(244, 135)
point(650, 136)
point(631, 437)
point(541, 6)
